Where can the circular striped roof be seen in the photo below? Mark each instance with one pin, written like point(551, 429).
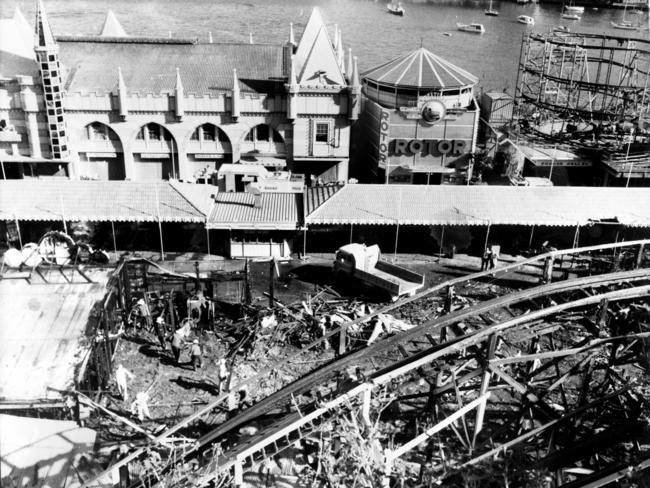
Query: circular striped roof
point(421, 69)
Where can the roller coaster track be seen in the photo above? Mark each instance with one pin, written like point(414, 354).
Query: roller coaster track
point(479, 330)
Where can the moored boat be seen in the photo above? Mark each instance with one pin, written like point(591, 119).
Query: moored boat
point(574, 8)
point(395, 9)
point(490, 11)
point(525, 19)
point(570, 16)
point(624, 24)
point(473, 28)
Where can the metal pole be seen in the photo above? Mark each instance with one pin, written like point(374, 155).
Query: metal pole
point(162, 250)
point(2, 164)
point(627, 155)
point(207, 235)
point(20, 239)
point(576, 237)
point(396, 237)
point(351, 225)
point(114, 241)
point(487, 235)
point(442, 241)
point(65, 226)
point(550, 173)
point(304, 242)
point(530, 241)
point(399, 216)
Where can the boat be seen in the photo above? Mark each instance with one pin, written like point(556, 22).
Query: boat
point(525, 19)
point(570, 16)
point(395, 9)
point(561, 29)
point(473, 28)
point(624, 24)
point(521, 2)
point(490, 11)
point(575, 9)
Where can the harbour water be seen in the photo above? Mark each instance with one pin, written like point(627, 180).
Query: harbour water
point(374, 35)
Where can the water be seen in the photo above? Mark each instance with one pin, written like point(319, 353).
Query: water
point(373, 34)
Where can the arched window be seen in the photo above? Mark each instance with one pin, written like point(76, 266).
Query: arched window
point(263, 133)
point(100, 132)
point(154, 132)
point(209, 132)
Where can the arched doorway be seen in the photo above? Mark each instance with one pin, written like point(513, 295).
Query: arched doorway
point(263, 145)
point(101, 155)
point(209, 147)
point(155, 153)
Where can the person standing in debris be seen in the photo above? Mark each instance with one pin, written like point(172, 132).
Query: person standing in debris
point(177, 343)
point(140, 406)
point(223, 375)
point(145, 313)
point(195, 353)
point(122, 375)
point(488, 258)
point(161, 331)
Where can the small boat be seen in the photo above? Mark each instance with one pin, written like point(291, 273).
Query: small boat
point(395, 9)
point(625, 25)
point(561, 29)
point(525, 19)
point(570, 16)
point(575, 9)
point(473, 28)
point(448, 34)
point(490, 11)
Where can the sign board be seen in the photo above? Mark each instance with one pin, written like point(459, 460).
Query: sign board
point(424, 147)
point(384, 128)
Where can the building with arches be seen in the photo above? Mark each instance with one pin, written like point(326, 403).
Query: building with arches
point(114, 107)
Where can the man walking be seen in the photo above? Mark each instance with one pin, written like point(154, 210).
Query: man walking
point(161, 331)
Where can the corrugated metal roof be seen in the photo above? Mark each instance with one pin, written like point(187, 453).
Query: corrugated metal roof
point(317, 195)
point(480, 205)
point(151, 67)
point(126, 201)
point(421, 69)
point(237, 211)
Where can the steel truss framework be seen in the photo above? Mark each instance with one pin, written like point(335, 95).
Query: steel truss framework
point(585, 78)
point(541, 374)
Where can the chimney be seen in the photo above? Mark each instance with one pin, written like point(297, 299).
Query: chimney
point(254, 190)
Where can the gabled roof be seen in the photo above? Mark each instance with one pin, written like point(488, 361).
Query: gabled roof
point(316, 61)
point(278, 211)
point(17, 47)
point(480, 205)
point(150, 67)
point(421, 69)
point(98, 201)
point(112, 27)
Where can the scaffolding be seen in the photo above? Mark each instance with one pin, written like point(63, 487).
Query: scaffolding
point(570, 83)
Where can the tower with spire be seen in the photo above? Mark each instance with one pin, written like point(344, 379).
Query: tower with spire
point(47, 56)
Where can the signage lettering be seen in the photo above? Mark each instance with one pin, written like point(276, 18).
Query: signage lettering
point(384, 126)
point(434, 147)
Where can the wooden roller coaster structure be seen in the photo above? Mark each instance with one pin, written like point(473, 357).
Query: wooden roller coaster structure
point(546, 374)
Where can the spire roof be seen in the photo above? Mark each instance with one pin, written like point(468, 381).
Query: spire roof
point(422, 69)
point(112, 26)
point(44, 37)
point(316, 60)
point(179, 83)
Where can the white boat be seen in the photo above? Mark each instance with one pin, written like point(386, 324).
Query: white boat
point(575, 9)
point(395, 9)
point(473, 28)
point(570, 16)
point(525, 19)
point(624, 24)
point(490, 11)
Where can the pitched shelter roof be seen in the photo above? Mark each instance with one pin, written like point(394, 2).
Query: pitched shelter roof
point(480, 205)
point(277, 211)
point(421, 69)
point(150, 67)
point(126, 201)
point(112, 27)
point(17, 47)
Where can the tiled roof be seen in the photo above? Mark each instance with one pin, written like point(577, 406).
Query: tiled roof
point(126, 201)
point(421, 69)
point(237, 211)
point(151, 67)
point(480, 205)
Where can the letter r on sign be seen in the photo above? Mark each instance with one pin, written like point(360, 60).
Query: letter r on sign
point(400, 146)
